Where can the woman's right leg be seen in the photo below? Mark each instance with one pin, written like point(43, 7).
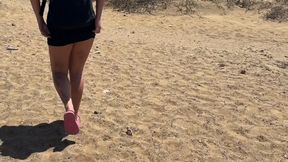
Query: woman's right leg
point(78, 58)
point(59, 59)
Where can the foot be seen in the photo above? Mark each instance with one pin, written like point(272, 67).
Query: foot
point(70, 125)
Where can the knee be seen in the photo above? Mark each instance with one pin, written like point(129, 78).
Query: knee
point(76, 80)
point(59, 77)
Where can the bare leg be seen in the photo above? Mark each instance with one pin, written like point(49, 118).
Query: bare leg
point(59, 58)
point(78, 58)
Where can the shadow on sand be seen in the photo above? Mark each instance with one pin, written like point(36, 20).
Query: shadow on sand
point(19, 142)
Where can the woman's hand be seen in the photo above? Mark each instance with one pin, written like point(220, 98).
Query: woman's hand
point(43, 28)
point(98, 27)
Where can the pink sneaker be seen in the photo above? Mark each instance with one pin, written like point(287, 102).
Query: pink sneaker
point(70, 125)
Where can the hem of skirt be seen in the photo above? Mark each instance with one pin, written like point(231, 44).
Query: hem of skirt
point(53, 43)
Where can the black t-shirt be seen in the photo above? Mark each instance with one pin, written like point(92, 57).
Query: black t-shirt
point(70, 13)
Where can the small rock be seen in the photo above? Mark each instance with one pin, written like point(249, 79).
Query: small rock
point(261, 51)
point(11, 48)
point(133, 32)
point(243, 72)
point(98, 52)
point(106, 91)
point(129, 132)
point(96, 112)
point(261, 138)
point(221, 65)
point(155, 84)
point(286, 156)
point(124, 15)
point(170, 25)
point(106, 138)
point(13, 24)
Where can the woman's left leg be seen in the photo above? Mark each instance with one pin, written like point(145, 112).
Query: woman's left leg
point(79, 55)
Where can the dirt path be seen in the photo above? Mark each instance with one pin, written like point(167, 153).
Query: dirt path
point(189, 88)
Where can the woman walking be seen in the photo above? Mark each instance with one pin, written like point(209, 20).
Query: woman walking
point(70, 31)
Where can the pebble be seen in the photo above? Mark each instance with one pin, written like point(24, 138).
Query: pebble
point(106, 91)
point(243, 72)
point(10, 48)
point(129, 132)
point(221, 65)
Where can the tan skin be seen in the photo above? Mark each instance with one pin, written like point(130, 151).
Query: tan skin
point(69, 60)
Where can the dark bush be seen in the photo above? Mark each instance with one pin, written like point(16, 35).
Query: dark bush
point(278, 13)
point(139, 5)
point(277, 9)
point(187, 6)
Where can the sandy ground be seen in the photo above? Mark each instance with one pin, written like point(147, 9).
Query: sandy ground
point(158, 88)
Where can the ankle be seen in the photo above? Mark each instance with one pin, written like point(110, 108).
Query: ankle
point(76, 112)
point(69, 106)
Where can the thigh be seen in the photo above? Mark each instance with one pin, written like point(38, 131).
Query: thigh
point(79, 55)
point(59, 58)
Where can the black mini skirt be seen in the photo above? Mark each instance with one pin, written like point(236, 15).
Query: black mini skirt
point(62, 37)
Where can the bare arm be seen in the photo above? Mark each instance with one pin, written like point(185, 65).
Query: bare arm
point(36, 8)
point(41, 23)
point(99, 9)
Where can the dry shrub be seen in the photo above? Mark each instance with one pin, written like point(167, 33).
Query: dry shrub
point(244, 3)
point(247, 4)
point(283, 2)
point(231, 3)
point(277, 9)
point(278, 13)
point(139, 5)
point(186, 6)
point(183, 6)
